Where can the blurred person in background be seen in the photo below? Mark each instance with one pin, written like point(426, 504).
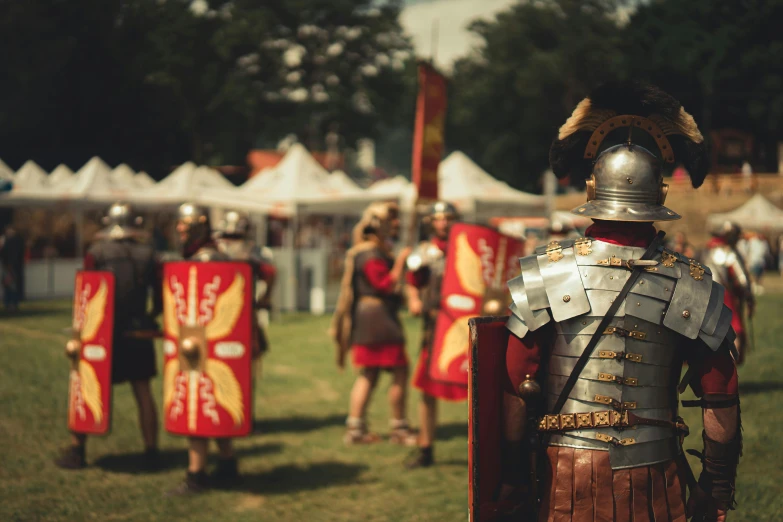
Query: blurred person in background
point(426, 267)
point(119, 249)
point(233, 239)
point(367, 323)
point(679, 243)
point(729, 269)
point(12, 268)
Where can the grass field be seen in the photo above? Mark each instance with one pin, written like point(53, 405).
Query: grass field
point(295, 466)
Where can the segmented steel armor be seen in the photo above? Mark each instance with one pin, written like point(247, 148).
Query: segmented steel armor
point(636, 364)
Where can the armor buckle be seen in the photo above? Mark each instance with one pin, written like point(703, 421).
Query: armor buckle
point(668, 259)
point(697, 271)
point(554, 252)
point(582, 246)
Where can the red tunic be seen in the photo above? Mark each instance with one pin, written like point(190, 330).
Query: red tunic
point(379, 355)
point(422, 379)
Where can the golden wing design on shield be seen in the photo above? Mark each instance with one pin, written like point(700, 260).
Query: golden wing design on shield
point(95, 312)
point(455, 343)
point(228, 308)
point(469, 269)
point(228, 393)
point(91, 390)
point(170, 321)
point(170, 372)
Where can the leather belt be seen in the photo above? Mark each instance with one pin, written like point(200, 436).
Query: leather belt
point(603, 419)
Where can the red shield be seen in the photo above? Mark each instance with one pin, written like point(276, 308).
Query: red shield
point(488, 341)
point(207, 322)
point(479, 261)
point(90, 353)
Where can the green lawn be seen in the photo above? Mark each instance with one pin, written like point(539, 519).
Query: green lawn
point(295, 465)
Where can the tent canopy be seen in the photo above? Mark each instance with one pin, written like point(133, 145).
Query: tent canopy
point(756, 214)
point(5, 171)
point(30, 178)
point(60, 176)
point(300, 183)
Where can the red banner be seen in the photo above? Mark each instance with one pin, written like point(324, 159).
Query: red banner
point(479, 261)
point(207, 319)
point(428, 131)
point(90, 352)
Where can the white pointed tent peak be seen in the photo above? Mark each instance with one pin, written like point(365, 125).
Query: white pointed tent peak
point(30, 177)
point(60, 175)
point(5, 171)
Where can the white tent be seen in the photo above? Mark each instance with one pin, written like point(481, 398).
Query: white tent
point(300, 184)
point(60, 177)
point(339, 180)
point(123, 176)
point(30, 178)
point(476, 194)
point(93, 183)
point(144, 180)
point(756, 214)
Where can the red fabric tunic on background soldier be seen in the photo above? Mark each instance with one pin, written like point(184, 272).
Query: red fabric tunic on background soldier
point(136, 274)
point(366, 322)
point(729, 269)
point(605, 409)
point(424, 279)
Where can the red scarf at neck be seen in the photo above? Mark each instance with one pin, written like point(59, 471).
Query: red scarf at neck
point(623, 233)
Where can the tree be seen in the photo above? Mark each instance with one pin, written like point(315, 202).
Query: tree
point(535, 62)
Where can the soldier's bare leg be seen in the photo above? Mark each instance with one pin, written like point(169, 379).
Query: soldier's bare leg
point(197, 454)
point(428, 413)
point(398, 391)
point(196, 478)
point(361, 392)
point(148, 415)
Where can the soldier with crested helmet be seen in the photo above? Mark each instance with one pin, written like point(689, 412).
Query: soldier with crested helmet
point(426, 267)
point(119, 249)
point(729, 269)
point(366, 321)
point(599, 330)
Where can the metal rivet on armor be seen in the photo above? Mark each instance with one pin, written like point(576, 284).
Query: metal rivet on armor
point(584, 322)
point(566, 298)
point(641, 282)
point(595, 143)
point(623, 122)
point(670, 213)
point(664, 147)
point(581, 210)
point(630, 181)
point(638, 304)
point(636, 326)
point(611, 277)
point(686, 314)
point(602, 132)
point(665, 289)
point(649, 127)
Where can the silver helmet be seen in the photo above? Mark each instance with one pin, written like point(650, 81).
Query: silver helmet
point(234, 224)
point(193, 225)
point(442, 209)
point(121, 223)
point(626, 185)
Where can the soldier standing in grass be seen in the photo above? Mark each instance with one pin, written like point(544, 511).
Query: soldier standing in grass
point(195, 236)
point(118, 250)
point(424, 278)
point(367, 323)
point(599, 330)
point(234, 241)
point(729, 269)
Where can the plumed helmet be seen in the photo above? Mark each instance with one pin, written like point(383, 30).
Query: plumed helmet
point(621, 139)
point(234, 224)
point(442, 209)
point(120, 222)
point(728, 231)
point(195, 220)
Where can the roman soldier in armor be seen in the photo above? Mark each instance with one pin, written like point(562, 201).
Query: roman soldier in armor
point(426, 267)
point(233, 239)
point(197, 244)
point(119, 249)
point(728, 268)
point(599, 331)
point(367, 323)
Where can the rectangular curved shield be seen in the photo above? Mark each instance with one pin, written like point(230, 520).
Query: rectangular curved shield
point(208, 325)
point(90, 353)
point(479, 261)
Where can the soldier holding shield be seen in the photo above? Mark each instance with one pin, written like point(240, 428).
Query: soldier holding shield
point(367, 323)
point(208, 327)
point(118, 250)
point(424, 279)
